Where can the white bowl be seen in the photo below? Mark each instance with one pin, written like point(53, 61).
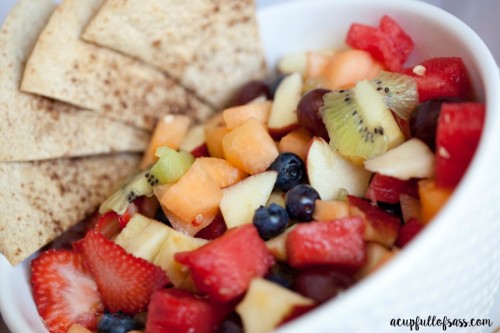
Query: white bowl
point(452, 269)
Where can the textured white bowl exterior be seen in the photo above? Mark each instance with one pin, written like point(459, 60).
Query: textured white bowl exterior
point(453, 268)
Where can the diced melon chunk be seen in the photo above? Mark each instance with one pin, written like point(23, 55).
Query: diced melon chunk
point(432, 198)
point(250, 147)
point(327, 210)
point(297, 142)
point(237, 115)
point(224, 173)
point(213, 140)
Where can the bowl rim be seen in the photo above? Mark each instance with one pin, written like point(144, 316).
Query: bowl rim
point(491, 80)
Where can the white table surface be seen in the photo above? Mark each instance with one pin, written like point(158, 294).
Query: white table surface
point(481, 15)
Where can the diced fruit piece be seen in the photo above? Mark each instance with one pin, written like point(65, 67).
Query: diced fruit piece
point(282, 274)
point(174, 310)
point(308, 113)
point(138, 186)
point(125, 282)
point(190, 228)
point(270, 221)
point(442, 77)
point(169, 131)
point(224, 173)
point(317, 63)
point(171, 166)
point(64, 291)
point(388, 43)
point(214, 230)
point(322, 283)
point(376, 256)
point(147, 206)
point(291, 171)
point(240, 200)
point(381, 226)
point(432, 198)
point(109, 224)
point(75, 328)
point(388, 189)
point(293, 63)
point(213, 139)
point(224, 267)
point(347, 67)
point(251, 91)
point(249, 147)
point(408, 231)
point(266, 305)
point(276, 197)
point(283, 115)
point(297, 142)
point(200, 151)
point(237, 115)
point(173, 243)
point(327, 210)
point(300, 202)
point(116, 322)
point(410, 207)
point(277, 245)
point(359, 122)
point(183, 198)
point(134, 228)
point(338, 242)
point(147, 243)
point(329, 172)
point(411, 159)
point(458, 133)
point(194, 138)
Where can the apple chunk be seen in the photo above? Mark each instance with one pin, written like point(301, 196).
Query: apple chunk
point(240, 200)
point(267, 304)
point(329, 172)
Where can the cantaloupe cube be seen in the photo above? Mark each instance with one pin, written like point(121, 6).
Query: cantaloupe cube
point(327, 210)
point(223, 172)
point(75, 328)
point(297, 142)
point(237, 115)
point(169, 131)
point(317, 63)
point(213, 140)
point(250, 147)
point(187, 227)
point(347, 67)
point(432, 199)
point(194, 196)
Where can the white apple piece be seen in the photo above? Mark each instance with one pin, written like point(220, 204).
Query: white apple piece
point(293, 63)
point(194, 138)
point(240, 200)
point(283, 115)
point(266, 304)
point(277, 245)
point(411, 159)
point(329, 172)
point(177, 242)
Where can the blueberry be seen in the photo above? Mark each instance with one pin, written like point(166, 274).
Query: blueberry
point(161, 217)
point(270, 221)
point(291, 171)
point(300, 202)
point(281, 274)
point(116, 323)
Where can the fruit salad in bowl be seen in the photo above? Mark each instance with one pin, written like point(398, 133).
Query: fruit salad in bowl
point(330, 197)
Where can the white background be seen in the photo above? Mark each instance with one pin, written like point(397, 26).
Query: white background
point(483, 16)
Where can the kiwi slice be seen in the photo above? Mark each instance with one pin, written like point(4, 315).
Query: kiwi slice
point(139, 185)
point(359, 121)
point(171, 166)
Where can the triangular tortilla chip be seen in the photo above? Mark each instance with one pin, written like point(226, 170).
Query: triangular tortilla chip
point(40, 200)
point(211, 46)
point(64, 67)
point(34, 128)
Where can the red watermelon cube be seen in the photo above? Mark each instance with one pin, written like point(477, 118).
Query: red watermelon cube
point(441, 77)
point(224, 267)
point(458, 133)
point(388, 43)
point(387, 189)
point(408, 231)
point(178, 311)
point(338, 242)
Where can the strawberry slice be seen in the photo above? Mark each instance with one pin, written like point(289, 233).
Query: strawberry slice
point(64, 291)
point(125, 282)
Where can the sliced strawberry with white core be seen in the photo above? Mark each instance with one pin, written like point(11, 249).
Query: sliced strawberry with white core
point(64, 291)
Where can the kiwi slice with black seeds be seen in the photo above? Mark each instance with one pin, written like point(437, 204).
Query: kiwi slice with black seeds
point(359, 121)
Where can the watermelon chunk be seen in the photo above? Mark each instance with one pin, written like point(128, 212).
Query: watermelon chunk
point(387, 189)
point(175, 310)
point(388, 43)
point(443, 77)
point(224, 267)
point(338, 242)
point(458, 134)
point(408, 231)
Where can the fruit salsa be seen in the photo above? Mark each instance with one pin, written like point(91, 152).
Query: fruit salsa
point(303, 187)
